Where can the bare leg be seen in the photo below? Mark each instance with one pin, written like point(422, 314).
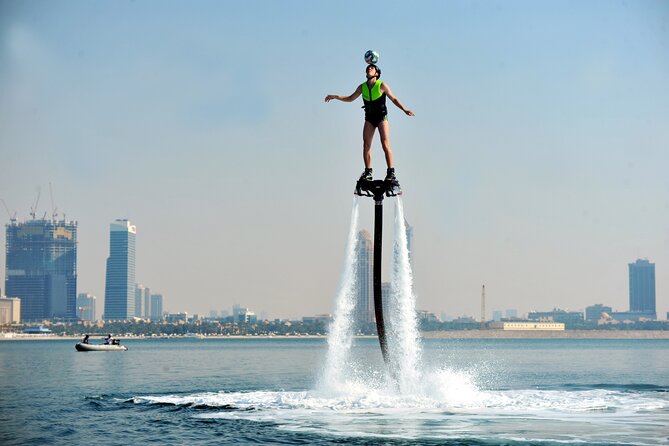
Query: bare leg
point(384, 135)
point(367, 135)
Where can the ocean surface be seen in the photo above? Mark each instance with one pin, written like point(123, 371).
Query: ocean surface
point(272, 391)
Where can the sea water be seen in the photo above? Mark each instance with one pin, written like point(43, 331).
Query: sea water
point(266, 391)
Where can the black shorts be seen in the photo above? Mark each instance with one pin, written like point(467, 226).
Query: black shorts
point(376, 119)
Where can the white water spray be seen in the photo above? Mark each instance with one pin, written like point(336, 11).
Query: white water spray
point(340, 336)
point(403, 338)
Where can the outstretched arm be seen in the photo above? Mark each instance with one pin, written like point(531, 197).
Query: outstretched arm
point(386, 89)
point(351, 98)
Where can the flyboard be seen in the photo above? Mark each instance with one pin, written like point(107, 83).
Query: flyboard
point(378, 189)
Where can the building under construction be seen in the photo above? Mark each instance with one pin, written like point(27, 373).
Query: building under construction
point(41, 268)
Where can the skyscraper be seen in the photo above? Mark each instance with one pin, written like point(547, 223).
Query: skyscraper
point(120, 280)
point(147, 302)
point(86, 305)
point(41, 268)
point(142, 301)
point(156, 307)
point(364, 302)
point(642, 287)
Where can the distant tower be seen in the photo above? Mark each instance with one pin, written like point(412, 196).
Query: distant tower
point(156, 307)
point(642, 287)
point(483, 307)
point(147, 303)
point(139, 294)
point(41, 268)
point(364, 302)
point(120, 280)
point(86, 304)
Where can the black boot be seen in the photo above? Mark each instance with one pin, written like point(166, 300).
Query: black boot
point(367, 174)
point(390, 176)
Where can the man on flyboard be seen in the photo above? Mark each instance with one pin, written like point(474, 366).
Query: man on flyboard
point(374, 92)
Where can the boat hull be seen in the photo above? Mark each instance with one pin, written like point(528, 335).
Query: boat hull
point(81, 347)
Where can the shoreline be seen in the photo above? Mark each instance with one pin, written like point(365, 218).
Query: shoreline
point(566, 334)
point(449, 334)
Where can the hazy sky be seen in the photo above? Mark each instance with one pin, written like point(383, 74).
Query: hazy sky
point(537, 162)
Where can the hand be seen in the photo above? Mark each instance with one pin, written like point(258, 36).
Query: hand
point(409, 113)
point(330, 97)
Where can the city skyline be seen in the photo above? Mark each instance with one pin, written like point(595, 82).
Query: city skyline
point(641, 295)
point(535, 163)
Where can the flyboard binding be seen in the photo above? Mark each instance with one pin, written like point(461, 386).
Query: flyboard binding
point(377, 188)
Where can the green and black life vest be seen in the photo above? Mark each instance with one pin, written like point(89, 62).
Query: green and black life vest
point(375, 101)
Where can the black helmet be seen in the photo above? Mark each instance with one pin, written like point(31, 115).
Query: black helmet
point(378, 70)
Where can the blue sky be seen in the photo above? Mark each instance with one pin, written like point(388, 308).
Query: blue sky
point(536, 162)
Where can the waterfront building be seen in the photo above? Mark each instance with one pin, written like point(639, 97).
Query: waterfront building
point(86, 306)
point(364, 300)
point(426, 316)
point(511, 314)
point(243, 315)
point(631, 316)
point(177, 317)
point(10, 310)
point(120, 278)
point(319, 318)
point(41, 268)
point(595, 312)
point(156, 307)
point(557, 315)
point(528, 326)
point(497, 315)
point(642, 288)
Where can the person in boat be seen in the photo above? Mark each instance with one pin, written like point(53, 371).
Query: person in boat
point(85, 341)
point(374, 92)
point(108, 339)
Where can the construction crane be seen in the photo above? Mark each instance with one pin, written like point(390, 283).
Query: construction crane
point(33, 209)
point(483, 307)
point(54, 210)
point(12, 217)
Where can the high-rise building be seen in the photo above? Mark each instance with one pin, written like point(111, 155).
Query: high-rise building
point(139, 291)
point(147, 303)
point(642, 287)
point(86, 306)
point(142, 301)
point(364, 302)
point(41, 268)
point(120, 281)
point(156, 307)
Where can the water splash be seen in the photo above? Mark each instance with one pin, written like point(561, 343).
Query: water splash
point(403, 340)
point(340, 335)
